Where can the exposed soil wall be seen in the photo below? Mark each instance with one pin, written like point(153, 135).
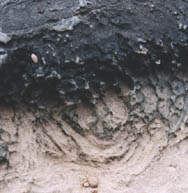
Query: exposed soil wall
point(131, 141)
point(94, 96)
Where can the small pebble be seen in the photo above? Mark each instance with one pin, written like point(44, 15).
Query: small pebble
point(93, 182)
point(34, 58)
point(158, 62)
point(4, 38)
point(68, 103)
point(85, 184)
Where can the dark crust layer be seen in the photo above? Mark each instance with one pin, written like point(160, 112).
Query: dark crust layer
point(85, 46)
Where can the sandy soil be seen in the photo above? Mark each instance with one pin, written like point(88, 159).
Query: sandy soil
point(41, 152)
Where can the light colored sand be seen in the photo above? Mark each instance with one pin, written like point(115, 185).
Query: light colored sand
point(43, 159)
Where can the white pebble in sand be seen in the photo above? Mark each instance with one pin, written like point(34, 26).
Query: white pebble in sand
point(93, 182)
point(34, 58)
point(86, 184)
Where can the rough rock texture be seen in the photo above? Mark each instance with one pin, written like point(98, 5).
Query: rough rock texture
point(84, 45)
point(94, 96)
point(131, 141)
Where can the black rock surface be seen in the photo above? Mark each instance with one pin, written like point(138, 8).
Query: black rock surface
point(66, 50)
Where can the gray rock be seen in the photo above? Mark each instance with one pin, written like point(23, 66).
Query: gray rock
point(3, 57)
point(179, 103)
point(66, 24)
point(4, 38)
point(83, 3)
point(178, 87)
point(3, 152)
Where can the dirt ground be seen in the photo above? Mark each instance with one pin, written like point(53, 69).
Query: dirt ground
point(116, 71)
point(41, 151)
